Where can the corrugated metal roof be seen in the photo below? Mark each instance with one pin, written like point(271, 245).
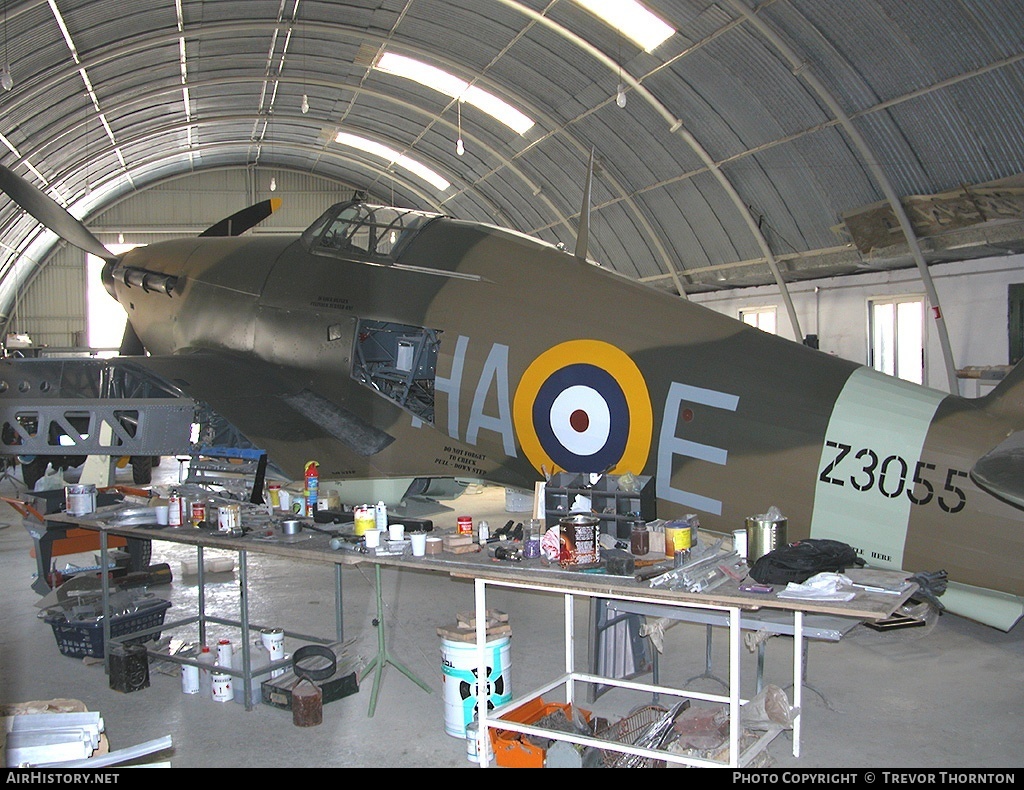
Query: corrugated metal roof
point(756, 127)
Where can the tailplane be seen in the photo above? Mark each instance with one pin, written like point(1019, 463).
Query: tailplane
point(1001, 470)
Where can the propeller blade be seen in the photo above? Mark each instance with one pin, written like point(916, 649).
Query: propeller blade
point(239, 222)
point(52, 214)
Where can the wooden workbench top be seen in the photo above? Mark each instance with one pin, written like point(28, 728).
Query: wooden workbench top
point(533, 573)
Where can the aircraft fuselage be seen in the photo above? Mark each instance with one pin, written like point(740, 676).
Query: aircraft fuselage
point(549, 363)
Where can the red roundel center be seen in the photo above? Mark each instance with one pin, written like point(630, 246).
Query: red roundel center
point(579, 420)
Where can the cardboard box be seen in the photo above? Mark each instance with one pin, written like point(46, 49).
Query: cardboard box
point(277, 692)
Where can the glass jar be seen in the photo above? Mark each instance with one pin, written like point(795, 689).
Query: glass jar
point(531, 539)
point(639, 539)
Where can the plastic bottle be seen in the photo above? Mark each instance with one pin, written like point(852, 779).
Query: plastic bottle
point(174, 509)
point(380, 515)
point(207, 660)
point(225, 651)
point(259, 659)
point(312, 486)
point(483, 533)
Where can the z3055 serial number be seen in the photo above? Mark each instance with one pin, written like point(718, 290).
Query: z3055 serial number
point(891, 477)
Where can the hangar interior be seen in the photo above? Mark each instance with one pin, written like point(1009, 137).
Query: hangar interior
point(803, 166)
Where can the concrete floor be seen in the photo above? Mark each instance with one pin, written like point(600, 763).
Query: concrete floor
point(948, 695)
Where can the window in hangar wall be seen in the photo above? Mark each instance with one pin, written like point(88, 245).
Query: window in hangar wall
point(896, 331)
point(105, 318)
point(761, 317)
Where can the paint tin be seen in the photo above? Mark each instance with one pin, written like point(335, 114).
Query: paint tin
point(273, 640)
point(678, 538)
point(764, 535)
point(365, 519)
point(472, 748)
point(464, 525)
point(80, 499)
point(220, 687)
point(229, 517)
point(189, 679)
point(198, 513)
point(434, 545)
point(578, 540)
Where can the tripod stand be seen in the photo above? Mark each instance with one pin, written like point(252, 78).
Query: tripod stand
point(9, 463)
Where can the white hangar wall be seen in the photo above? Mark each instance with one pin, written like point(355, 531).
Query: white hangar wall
point(972, 294)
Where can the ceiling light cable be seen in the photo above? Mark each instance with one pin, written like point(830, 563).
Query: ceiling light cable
point(620, 91)
point(305, 98)
point(460, 147)
point(6, 80)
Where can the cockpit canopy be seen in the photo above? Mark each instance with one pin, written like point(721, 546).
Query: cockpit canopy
point(365, 230)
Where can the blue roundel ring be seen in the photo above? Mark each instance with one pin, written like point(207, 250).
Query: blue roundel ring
point(583, 406)
point(592, 402)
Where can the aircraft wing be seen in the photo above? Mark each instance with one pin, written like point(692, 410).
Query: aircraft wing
point(1001, 470)
point(276, 411)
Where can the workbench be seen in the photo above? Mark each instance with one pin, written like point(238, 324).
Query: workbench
point(727, 603)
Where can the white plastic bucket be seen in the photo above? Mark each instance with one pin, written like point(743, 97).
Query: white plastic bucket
point(459, 669)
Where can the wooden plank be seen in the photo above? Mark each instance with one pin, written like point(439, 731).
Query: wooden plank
point(455, 633)
point(468, 619)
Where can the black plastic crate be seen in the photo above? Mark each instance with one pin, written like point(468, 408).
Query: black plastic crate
point(83, 638)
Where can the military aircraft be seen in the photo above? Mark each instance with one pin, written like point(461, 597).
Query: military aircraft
point(387, 342)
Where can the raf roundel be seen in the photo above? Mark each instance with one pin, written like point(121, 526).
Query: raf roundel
point(583, 406)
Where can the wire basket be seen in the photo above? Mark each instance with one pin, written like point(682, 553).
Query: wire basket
point(627, 731)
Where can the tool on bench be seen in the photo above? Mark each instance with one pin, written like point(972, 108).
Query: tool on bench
point(507, 554)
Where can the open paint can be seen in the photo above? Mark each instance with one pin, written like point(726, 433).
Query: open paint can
point(764, 535)
point(80, 500)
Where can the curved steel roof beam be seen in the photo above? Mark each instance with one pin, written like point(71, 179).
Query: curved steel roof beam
point(803, 70)
point(676, 126)
point(317, 150)
point(148, 40)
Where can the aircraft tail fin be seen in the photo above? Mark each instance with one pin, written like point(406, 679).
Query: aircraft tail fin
point(1000, 471)
point(1007, 397)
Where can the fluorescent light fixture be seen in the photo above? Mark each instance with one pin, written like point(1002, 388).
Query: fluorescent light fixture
point(450, 85)
point(393, 156)
point(632, 20)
